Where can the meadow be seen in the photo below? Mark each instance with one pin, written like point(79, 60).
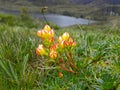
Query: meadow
point(97, 56)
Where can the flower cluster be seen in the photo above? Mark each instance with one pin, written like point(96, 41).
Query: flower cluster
point(46, 34)
point(56, 49)
point(66, 41)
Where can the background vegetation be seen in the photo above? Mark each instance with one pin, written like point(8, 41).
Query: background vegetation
point(91, 9)
point(97, 57)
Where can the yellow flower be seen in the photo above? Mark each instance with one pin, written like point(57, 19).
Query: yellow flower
point(42, 33)
point(47, 32)
point(60, 39)
point(65, 36)
point(63, 44)
point(39, 33)
point(51, 33)
point(47, 27)
point(53, 54)
point(40, 50)
point(60, 74)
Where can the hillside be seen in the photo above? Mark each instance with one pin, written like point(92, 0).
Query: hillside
point(96, 1)
point(58, 2)
point(93, 9)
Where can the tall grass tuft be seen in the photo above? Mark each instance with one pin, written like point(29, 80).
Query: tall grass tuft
point(16, 51)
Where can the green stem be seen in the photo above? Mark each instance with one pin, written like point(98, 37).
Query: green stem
point(45, 18)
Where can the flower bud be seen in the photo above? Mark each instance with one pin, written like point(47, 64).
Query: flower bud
point(47, 27)
point(39, 33)
point(60, 74)
point(40, 50)
point(53, 54)
point(65, 36)
point(74, 44)
point(44, 34)
point(51, 33)
point(60, 39)
point(70, 40)
point(51, 40)
point(63, 44)
point(54, 47)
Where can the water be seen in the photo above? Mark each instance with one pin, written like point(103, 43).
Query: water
point(60, 20)
point(64, 21)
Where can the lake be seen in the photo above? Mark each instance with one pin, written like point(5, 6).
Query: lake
point(60, 20)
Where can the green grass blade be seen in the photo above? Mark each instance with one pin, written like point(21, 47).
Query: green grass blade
point(24, 64)
point(4, 68)
point(13, 73)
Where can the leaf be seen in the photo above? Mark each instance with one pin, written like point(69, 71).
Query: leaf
point(4, 68)
point(8, 71)
point(24, 64)
point(13, 74)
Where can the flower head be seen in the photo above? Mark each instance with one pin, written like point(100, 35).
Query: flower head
point(47, 27)
point(40, 50)
point(53, 54)
point(63, 44)
point(60, 39)
point(51, 33)
point(42, 33)
point(65, 36)
point(39, 33)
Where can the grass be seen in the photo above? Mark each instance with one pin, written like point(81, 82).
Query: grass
point(97, 57)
